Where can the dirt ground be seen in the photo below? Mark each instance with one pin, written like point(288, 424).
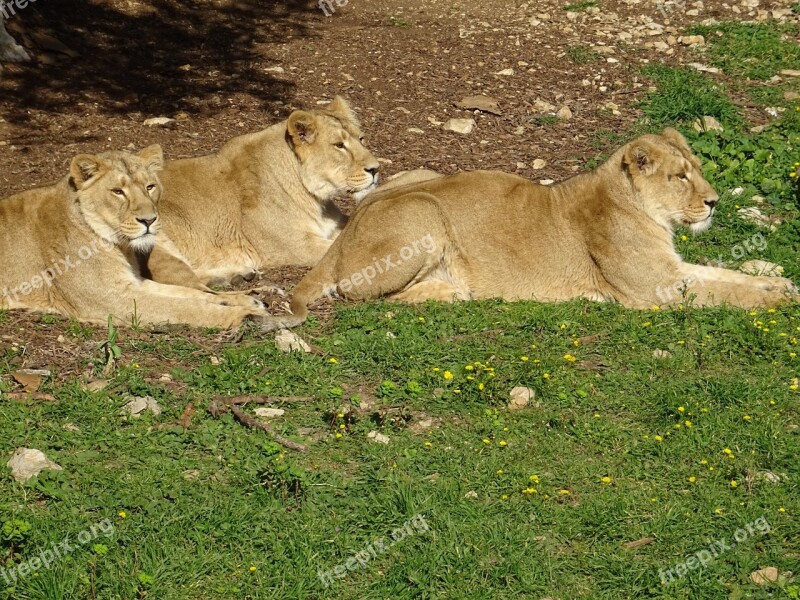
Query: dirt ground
point(221, 69)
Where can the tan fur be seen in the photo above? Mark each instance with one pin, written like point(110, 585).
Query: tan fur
point(265, 199)
point(78, 247)
point(606, 235)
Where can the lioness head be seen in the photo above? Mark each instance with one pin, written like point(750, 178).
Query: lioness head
point(117, 193)
point(669, 181)
point(330, 147)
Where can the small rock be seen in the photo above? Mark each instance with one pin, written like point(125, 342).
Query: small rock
point(70, 427)
point(703, 68)
point(758, 129)
point(159, 121)
point(604, 49)
point(390, 335)
point(539, 164)
point(472, 494)
point(737, 191)
point(692, 40)
point(274, 70)
point(661, 46)
point(752, 215)
point(463, 126)
point(29, 462)
point(541, 106)
point(521, 165)
point(505, 72)
point(191, 474)
point(564, 113)
point(482, 103)
point(288, 341)
point(415, 130)
point(662, 353)
point(767, 476)
point(546, 182)
point(520, 397)
point(707, 124)
point(612, 60)
point(138, 405)
point(378, 437)
point(758, 199)
point(761, 268)
point(96, 385)
point(215, 361)
point(764, 576)
point(269, 413)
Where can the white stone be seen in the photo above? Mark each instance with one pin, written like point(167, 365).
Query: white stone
point(463, 126)
point(378, 437)
point(158, 121)
point(520, 397)
point(29, 462)
point(288, 341)
point(269, 413)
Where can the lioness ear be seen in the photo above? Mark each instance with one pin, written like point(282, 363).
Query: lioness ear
point(302, 127)
point(341, 108)
point(153, 157)
point(675, 137)
point(641, 156)
point(83, 168)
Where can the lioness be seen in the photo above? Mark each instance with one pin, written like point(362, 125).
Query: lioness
point(606, 235)
point(75, 247)
point(265, 199)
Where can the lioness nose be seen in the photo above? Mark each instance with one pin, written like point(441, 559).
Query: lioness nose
point(712, 202)
point(147, 221)
point(372, 170)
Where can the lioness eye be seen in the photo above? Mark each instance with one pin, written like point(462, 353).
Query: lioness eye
point(683, 176)
point(118, 192)
point(339, 145)
point(151, 187)
point(362, 139)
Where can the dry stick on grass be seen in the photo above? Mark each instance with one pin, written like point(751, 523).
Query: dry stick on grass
point(220, 404)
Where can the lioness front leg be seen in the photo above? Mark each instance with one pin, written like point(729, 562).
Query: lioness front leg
point(712, 286)
point(152, 302)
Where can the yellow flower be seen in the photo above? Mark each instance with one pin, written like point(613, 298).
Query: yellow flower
point(547, 376)
point(606, 480)
point(596, 415)
point(680, 342)
point(576, 342)
point(338, 435)
point(727, 451)
point(333, 360)
point(704, 462)
point(687, 423)
point(436, 369)
point(564, 492)
point(469, 368)
point(734, 483)
point(470, 378)
point(502, 443)
point(658, 438)
point(747, 417)
point(646, 324)
point(781, 510)
point(122, 514)
point(692, 479)
point(481, 386)
point(428, 444)
point(533, 346)
point(340, 415)
point(448, 375)
point(684, 238)
point(772, 402)
point(135, 365)
point(499, 471)
point(569, 358)
point(534, 479)
point(718, 511)
point(523, 358)
point(772, 311)
point(252, 568)
point(486, 441)
point(529, 490)
point(504, 497)
point(456, 391)
point(681, 409)
point(655, 308)
point(563, 326)
point(421, 319)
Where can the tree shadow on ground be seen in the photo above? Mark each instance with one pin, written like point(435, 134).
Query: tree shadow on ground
point(153, 58)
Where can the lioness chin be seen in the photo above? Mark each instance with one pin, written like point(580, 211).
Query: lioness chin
point(266, 199)
point(605, 235)
point(77, 247)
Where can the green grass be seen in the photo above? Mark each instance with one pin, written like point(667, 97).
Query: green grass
point(581, 6)
point(683, 95)
point(751, 51)
point(581, 55)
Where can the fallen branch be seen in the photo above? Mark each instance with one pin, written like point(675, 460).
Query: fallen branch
point(220, 405)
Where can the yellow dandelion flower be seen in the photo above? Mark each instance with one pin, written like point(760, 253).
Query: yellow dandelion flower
point(692, 479)
point(596, 415)
point(564, 492)
point(547, 376)
point(456, 391)
point(436, 369)
point(534, 479)
point(684, 238)
point(421, 319)
point(502, 443)
point(646, 324)
point(569, 358)
point(563, 326)
point(530, 490)
point(734, 483)
point(447, 375)
point(338, 435)
point(533, 346)
point(655, 308)
point(428, 444)
point(523, 358)
point(470, 378)
point(704, 462)
point(781, 510)
point(576, 342)
point(747, 417)
point(727, 451)
point(333, 360)
point(499, 471)
point(340, 415)
point(487, 441)
point(606, 480)
point(687, 423)
point(658, 438)
point(680, 342)
point(342, 426)
point(772, 402)
point(122, 514)
point(481, 386)
point(504, 497)
point(718, 511)
point(681, 409)
point(253, 568)
point(772, 311)
point(469, 368)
